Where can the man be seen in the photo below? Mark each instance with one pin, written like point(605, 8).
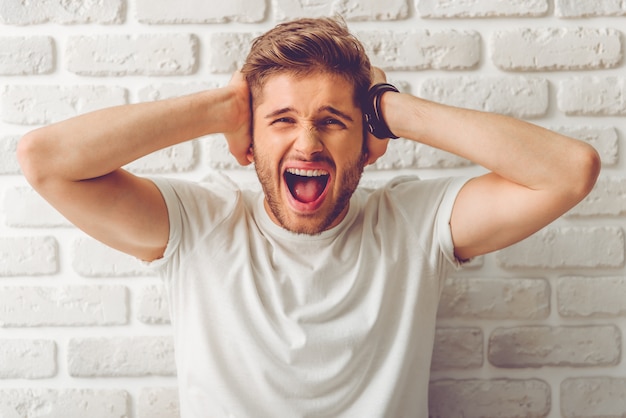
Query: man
point(313, 298)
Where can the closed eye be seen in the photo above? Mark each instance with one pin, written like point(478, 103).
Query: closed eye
point(285, 120)
point(332, 122)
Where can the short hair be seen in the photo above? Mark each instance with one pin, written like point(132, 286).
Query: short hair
point(306, 46)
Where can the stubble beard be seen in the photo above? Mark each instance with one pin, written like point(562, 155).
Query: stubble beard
point(349, 181)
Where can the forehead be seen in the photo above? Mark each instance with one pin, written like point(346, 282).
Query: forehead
point(319, 88)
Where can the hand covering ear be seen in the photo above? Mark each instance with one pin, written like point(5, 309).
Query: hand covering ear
point(240, 138)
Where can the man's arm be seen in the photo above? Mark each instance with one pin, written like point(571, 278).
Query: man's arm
point(536, 175)
point(75, 164)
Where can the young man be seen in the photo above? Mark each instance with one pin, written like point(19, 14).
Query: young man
point(312, 298)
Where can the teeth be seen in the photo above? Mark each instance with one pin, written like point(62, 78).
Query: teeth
point(307, 173)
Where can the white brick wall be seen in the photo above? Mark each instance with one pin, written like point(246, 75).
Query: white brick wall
point(535, 330)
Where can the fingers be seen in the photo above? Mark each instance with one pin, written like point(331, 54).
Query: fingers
point(240, 139)
point(237, 79)
point(240, 147)
point(377, 75)
point(375, 148)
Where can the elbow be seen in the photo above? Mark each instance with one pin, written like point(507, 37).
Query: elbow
point(586, 169)
point(31, 157)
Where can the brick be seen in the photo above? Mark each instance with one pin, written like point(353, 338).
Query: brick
point(608, 198)
point(91, 258)
point(28, 256)
point(123, 55)
point(25, 208)
point(217, 155)
point(179, 158)
point(32, 105)
point(121, 357)
point(27, 359)
point(527, 49)
point(66, 403)
point(38, 306)
point(479, 9)
point(193, 11)
point(585, 8)
point(158, 403)
point(26, 55)
point(592, 96)
point(374, 10)
point(604, 139)
point(19, 12)
point(8, 161)
point(399, 154)
point(502, 398)
point(538, 346)
point(227, 52)
point(457, 348)
point(175, 159)
point(556, 247)
point(591, 297)
point(410, 154)
point(495, 298)
point(519, 97)
point(153, 306)
point(593, 397)
point(419, 50)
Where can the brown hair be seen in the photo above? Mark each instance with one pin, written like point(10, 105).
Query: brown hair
point(304, 46)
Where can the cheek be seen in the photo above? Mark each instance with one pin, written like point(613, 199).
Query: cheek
point(351, 147)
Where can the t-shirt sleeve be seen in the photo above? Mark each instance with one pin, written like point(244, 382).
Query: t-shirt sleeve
point(174, 216)
point(443, 231)
point(194, 209)
point(427, 207)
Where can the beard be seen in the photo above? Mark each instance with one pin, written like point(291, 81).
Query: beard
point(320, 221)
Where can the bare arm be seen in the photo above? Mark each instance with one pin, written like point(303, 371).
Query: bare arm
point(75, 164)
point(536, 175)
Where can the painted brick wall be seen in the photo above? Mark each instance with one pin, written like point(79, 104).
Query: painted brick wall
point(536, 330)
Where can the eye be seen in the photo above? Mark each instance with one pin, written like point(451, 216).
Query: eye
point(283, 120)
point(332, 122)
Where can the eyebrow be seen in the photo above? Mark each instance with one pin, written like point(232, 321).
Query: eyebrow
point(278, 112)
point(335, 112)
point(329, 109)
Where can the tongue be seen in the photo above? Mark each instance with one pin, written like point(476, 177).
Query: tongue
point(307, 189)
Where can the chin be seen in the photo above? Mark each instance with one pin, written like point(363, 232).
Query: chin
point(307, 198)
point(313, 224)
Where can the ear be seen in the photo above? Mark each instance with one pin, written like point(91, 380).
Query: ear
point(250, 154)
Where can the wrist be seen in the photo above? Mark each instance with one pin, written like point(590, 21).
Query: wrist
point(373, 112)
point(223, 110)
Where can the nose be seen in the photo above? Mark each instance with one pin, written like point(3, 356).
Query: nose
point(308, 142)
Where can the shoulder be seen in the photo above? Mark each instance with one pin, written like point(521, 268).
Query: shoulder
point(197, 209)
point(212, 188)
point(412, 203)
point(412, 189)
point(200, 204)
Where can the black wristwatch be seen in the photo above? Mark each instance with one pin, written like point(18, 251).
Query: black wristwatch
point(373, 115)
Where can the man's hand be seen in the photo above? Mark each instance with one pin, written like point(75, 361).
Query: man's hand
point(376, 147)
point(240, 138)
point(76, 164)
point(535, 175)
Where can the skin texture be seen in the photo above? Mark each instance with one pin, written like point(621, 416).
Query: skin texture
point(308, 123)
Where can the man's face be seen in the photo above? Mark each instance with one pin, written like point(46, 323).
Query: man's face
point(308, 149)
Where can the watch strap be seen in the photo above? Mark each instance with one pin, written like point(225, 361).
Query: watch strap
point(373, 114)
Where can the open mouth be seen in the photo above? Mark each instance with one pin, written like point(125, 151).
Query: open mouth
point(306, 186)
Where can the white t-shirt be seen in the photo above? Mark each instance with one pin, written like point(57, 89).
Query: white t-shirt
point(269, 323)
